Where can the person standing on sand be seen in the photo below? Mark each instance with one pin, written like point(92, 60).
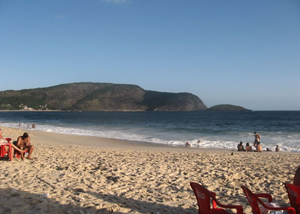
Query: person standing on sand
point(24, 143)
point(256, 140)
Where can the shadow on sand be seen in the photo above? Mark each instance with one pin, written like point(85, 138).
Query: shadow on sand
point(20, 202)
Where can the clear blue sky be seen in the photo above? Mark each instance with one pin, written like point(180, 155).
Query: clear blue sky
point(244, 53)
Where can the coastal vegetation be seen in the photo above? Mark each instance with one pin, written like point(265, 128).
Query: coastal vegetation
point(98, 97)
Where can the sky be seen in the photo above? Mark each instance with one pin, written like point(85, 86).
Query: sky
point(239, 52)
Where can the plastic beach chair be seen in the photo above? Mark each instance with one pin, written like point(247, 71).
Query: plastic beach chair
point(204, 197)
point(297, 177)
point(294, 196)
point(18, 154)
point(255, 201)
point(2, 149)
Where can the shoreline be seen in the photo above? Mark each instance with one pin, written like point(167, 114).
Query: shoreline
point(102, 142)
point(96, 141)
point(120, 143)
point(78, 174)
point(142, 129)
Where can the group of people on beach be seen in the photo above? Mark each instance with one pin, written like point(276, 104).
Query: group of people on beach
point(22, 145)
point(256, 144)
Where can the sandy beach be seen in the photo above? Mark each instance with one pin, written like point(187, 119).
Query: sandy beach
point(77, 174)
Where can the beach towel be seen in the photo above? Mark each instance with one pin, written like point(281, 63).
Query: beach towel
point(3, 141)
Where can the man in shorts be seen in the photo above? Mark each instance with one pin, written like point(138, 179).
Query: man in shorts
point(24, 143)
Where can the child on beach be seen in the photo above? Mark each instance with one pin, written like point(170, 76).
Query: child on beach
point(187, 144)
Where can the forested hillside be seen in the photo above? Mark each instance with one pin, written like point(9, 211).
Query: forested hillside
point(98, 97)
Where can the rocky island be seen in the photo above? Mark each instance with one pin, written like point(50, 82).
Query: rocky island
point(227, 107)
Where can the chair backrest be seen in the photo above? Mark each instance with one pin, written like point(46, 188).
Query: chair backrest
point(294, 196)
point(252, 200)
point(297, 177)
point(203, 197)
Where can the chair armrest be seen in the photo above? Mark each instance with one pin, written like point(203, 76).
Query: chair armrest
point(8, 139)
point(238, 208)
point(290, 210)
point(265, 195)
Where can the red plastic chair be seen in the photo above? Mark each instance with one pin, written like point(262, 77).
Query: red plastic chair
point(294, 196)
point(204, 197)
point(18, 154)
point(2, 149)
point(254, 200)
point(297, 177)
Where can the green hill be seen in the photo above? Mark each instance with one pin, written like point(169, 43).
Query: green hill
point(227, 107)
point(98, 97)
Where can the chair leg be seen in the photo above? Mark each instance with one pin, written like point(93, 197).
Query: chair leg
point(10, 153)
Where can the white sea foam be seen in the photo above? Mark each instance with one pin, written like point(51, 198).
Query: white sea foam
point(286, 142)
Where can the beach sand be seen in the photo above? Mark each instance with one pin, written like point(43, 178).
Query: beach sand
point(77, 174)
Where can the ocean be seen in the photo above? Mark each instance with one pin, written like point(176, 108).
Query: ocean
point(213, 129)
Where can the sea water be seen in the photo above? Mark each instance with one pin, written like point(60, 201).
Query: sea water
point(213, 129)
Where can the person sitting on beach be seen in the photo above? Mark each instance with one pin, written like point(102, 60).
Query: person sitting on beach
point(24, 143)
point(240, 147)
point(258, 147)
point(277, 149)
point(187, 144)
point(248, 147)
point(6, 148)
point(2, 140)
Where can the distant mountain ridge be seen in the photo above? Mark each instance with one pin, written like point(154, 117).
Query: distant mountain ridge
point(98, 97)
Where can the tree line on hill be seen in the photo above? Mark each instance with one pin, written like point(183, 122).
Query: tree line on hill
point(103, 97)
point(98, 97)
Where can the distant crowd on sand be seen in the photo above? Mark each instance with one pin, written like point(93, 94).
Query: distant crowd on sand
point(256, 145)
point(248, 148)
point(21, 146)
